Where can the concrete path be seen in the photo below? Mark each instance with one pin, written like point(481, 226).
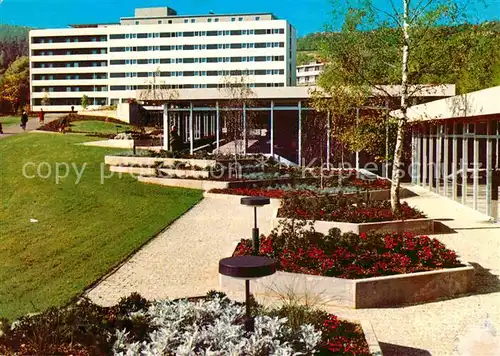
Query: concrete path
point(183, 261)
point(30, 126)
point(439, 328)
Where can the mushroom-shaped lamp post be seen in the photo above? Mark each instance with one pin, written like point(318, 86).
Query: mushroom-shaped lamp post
point(247, 268)
point(255, 202)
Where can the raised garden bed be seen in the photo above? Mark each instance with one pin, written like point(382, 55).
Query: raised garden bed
point(351, 213)
point(140, 171)
point(120, 160)
point(190, 326)
point(416, 226)
point(186, 173)
point(374, 292)
point(241, 188)
point(357, 271)
point(185, 183)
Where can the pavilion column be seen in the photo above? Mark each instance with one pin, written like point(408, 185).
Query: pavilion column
point(465, 162)
point(166, 128)
point(217, 124)
point(431, 159)
point(244, 128)
point(419, 157)
point(439, 136)
point(495, 175)
point(187, 125)
point(300, 135)
point(454, 163)
point(179, 118)
point(497, 165)
point(191, 133)
point(357, 152)
point(446, 159)
point(271, 127)
point(489, 170)
point(386, 173)
point(475, 187)
point(425, 156)
point(414, 157)
point(328, 143)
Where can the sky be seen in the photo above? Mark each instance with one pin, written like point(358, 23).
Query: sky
point(306, 15)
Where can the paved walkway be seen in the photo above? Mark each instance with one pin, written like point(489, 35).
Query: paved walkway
point(30, 126)
point(183, 261)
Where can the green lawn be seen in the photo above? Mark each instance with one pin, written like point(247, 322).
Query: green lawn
point(96, 126)
point(83, 230)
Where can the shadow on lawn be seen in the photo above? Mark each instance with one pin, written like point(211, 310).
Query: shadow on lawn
point(398, 350)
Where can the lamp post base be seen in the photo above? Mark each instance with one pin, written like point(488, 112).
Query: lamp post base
point(249, 321)
point(249, 324)
point(255, 241)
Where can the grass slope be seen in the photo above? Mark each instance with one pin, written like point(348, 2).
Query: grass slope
point(83, 230)
point(99, 127)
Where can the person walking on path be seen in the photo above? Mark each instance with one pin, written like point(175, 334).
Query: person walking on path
point(41, 117)
point(1, 129)
point(24, 120)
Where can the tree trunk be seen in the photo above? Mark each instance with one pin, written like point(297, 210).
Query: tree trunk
point(398, 153)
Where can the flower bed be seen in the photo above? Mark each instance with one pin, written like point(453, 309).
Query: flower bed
point(254, 192)
point(350, 255)
point(196, 326)
point(352, 209)
point(306, 186)
point(356, 271)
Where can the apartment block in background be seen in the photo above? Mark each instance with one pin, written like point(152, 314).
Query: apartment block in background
point(308, 74)
point(111, 63)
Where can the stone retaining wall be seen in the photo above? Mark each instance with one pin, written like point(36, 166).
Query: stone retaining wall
point(375, 292)
point(417, 226)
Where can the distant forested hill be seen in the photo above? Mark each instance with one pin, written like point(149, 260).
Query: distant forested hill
point(481, 43)
point(9, 33)
point(13, 44)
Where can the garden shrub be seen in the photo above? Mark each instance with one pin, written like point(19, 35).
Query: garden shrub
point(196, 327)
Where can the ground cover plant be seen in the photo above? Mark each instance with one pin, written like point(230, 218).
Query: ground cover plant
point(342, 208)
point(197, 326)
point(298, 249)
point(84, 228)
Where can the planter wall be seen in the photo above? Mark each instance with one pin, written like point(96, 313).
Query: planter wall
point(417, 226)
point(185, 183)
point(375, 292)
point(186, 173)
point(383, 194)
point(117, 160)
point(142, 171)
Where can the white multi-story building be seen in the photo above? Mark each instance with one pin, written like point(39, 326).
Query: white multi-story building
point(308, 74)
point(111, 63)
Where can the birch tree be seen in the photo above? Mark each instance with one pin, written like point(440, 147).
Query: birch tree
point(381, 45)
point(238, 120)
point(157, 91)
